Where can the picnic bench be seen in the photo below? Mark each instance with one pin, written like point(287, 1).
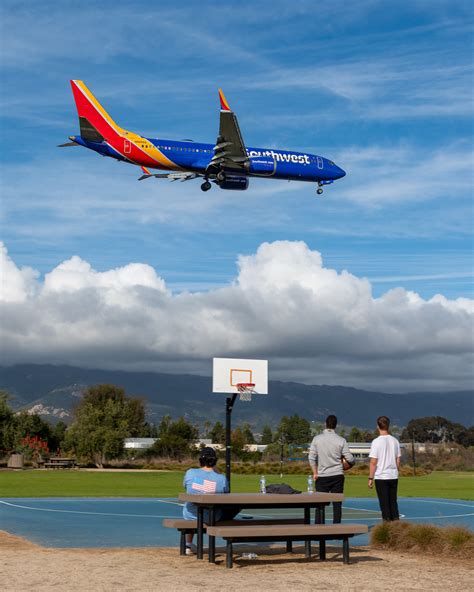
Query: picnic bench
point(59, 462)
point(288, 532)
point(185, 527)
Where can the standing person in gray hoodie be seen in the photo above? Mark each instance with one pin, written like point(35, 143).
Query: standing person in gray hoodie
point(329, 456)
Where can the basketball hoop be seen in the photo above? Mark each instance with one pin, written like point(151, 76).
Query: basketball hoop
point(246, 390)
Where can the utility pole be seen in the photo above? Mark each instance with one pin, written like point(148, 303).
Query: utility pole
point(413, 453)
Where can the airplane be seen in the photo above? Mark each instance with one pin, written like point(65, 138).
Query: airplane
point(228, 163)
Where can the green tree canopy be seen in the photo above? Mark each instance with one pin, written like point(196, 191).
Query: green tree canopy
point(217, 434)
point(7, 429)
point(294, 430)
point(267, 435)
point(175, 438)
point(433, 429)
point(248, 434)
point(102, 420)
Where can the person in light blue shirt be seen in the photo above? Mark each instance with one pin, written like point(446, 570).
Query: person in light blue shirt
point(204, 480)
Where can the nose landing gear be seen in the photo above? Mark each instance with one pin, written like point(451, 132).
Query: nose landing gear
point(319, 190)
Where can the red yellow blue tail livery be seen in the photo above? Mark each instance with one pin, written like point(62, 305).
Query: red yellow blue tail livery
point(228, 163)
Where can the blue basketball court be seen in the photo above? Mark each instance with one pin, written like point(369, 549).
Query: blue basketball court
point(137, 522)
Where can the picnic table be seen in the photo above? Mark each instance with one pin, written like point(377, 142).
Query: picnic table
point(60, 462)
point(212, 501)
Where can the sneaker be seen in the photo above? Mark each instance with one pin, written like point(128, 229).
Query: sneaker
point(191, 549)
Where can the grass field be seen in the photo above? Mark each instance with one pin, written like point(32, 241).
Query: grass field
point(30, 483)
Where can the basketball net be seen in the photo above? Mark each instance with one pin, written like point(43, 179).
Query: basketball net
point(246, 390)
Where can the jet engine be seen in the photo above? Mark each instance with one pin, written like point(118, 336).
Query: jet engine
point(261, 165)
point(238, 182)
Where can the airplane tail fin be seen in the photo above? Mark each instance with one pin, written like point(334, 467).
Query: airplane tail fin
point(94, 121)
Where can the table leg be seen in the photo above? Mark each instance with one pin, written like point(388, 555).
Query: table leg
point(212, 539)
point(307, 544)
point(345, 550)
point(320, 518)
point(200, 528)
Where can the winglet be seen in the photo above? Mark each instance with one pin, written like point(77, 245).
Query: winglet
point(224, 103)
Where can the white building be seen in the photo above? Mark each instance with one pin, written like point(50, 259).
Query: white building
point(138, 443)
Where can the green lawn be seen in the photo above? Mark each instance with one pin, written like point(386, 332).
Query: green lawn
point(454, 485)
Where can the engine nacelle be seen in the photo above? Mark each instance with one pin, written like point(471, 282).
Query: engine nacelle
point(261, 165)
point(238, 182)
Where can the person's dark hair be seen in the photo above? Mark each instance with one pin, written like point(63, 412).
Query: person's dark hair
point(383, 422)
point(331, 422)
point(208, 457)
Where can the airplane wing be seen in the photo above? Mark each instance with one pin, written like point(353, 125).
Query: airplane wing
point(229, 151)
point(174, 176)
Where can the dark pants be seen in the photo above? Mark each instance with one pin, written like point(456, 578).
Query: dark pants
point(387, 494)
point(334, 484)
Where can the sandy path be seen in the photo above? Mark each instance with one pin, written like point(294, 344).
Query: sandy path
point(27, 567)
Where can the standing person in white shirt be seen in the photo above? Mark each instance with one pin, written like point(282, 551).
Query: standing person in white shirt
point(384, 467)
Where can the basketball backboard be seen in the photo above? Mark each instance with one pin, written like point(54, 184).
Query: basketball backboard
point(227, 373)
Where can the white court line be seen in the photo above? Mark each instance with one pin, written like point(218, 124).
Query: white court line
point(434, 501)
point(360, 509)
point(440, 517)
point(90, 513)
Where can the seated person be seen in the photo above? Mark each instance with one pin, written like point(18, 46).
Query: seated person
point(204, 480)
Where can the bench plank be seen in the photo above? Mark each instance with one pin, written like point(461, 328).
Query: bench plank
point(295, 532)
point(287, 529)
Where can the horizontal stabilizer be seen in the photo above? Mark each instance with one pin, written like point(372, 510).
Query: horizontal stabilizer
point(171, 176)
point(68, 144)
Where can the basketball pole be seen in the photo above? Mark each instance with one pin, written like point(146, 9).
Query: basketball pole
point(228, 432)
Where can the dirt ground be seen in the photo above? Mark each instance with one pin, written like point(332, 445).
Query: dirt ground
point(28, 567)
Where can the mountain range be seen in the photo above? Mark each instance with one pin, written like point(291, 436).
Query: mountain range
point(53, 391)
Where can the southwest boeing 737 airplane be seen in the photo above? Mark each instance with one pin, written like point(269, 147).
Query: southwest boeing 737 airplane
point(228, 163)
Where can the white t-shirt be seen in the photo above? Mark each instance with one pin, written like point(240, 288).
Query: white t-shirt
point(386, 449)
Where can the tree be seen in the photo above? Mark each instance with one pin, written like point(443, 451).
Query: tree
point(58, 435)
point(217, 434)
point(248, 434)
point(466, 437)
point(267, 436)
point(102, 420)
point(7, 431)
point(294, 430)
point(434, 429)
point(175, 438)
point(356, 435)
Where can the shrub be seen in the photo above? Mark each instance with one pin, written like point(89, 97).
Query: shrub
point(450, 541)
point(425, 536)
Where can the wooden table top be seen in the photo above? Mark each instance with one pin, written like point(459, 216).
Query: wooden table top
point(263, 499)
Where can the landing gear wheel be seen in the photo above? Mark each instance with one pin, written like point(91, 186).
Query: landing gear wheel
point(319, 190)
point(220, 176)
point(206, 186)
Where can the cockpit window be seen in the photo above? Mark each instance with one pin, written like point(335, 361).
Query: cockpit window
point(331, 163)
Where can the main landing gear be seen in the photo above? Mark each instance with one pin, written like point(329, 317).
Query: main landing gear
point(206, 186)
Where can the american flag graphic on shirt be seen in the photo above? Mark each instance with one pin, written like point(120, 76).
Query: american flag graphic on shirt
point(204, 486)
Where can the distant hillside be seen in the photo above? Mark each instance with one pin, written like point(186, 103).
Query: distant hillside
point(52, 391)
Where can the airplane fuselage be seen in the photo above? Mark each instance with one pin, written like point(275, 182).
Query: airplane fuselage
point(196, 157)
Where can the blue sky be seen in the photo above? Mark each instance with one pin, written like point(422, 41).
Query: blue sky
point(382, 88)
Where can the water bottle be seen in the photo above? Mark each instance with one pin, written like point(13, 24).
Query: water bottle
point(249, 555)
point(263, 484)
point(310, 484)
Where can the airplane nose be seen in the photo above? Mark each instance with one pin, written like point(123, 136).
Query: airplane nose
point(340, 172)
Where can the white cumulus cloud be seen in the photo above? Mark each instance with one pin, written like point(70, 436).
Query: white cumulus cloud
point(313, 323)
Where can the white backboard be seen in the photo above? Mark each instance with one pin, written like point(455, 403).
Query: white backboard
point(228, 372)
